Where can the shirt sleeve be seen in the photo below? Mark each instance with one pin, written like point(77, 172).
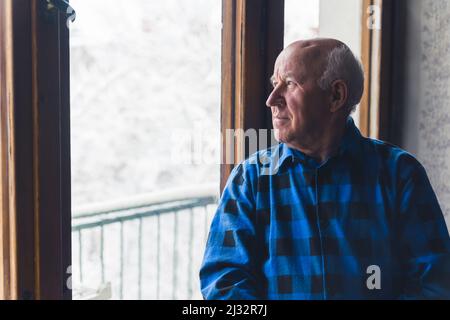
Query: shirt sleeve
point(230, 268)
point(424, 244)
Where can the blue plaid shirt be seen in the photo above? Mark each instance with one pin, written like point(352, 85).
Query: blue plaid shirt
point(365, 224)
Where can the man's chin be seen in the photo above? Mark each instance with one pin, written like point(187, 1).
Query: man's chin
point(279, 136)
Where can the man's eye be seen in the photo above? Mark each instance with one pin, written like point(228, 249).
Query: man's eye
point(290, 83)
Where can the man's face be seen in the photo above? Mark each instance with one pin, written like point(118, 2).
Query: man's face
point(300, 108)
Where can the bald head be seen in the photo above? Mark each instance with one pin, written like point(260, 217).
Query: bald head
point(311, 54)
point(319, 46)
point(328, 60)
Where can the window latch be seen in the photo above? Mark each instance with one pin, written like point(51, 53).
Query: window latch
point(63, 6)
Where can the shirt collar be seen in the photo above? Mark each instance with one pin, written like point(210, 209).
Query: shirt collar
point(349, 143)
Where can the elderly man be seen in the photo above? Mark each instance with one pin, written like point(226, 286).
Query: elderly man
point(343, 217)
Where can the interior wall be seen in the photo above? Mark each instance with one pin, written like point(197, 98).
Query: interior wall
point(424, 122)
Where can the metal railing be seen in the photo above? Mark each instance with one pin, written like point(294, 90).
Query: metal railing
point(154, 208)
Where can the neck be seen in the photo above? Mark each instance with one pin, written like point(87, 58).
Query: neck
point(322, 144)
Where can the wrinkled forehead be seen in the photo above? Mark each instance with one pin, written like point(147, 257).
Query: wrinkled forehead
point(301, 60)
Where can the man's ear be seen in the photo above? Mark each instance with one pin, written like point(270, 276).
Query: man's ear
point(339, 95)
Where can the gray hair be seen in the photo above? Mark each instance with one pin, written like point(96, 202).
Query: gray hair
point(343, 65)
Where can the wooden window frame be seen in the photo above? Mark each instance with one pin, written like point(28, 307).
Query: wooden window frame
point(252, 37)
point(379, 48)
point(35, 218)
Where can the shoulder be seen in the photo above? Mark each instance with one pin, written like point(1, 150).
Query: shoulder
point(395, 159)
point(391, 153)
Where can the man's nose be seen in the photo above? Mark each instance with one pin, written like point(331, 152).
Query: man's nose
point(274, 98)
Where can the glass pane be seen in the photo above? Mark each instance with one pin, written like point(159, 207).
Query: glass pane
point(145, 88)
point(325, 18)
point(301, 20)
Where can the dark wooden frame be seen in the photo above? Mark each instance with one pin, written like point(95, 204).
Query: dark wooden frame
point(35, 142)
point(366, 54)
point(378, 51)
point(391, 73)
point(252, 37)
point(7, 250)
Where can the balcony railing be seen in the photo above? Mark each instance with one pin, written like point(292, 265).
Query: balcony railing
point(144, 247)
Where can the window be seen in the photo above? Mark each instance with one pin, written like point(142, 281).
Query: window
point(145, 127)
point(301, 20)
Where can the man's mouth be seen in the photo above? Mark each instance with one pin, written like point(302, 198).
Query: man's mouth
point(280, 120)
